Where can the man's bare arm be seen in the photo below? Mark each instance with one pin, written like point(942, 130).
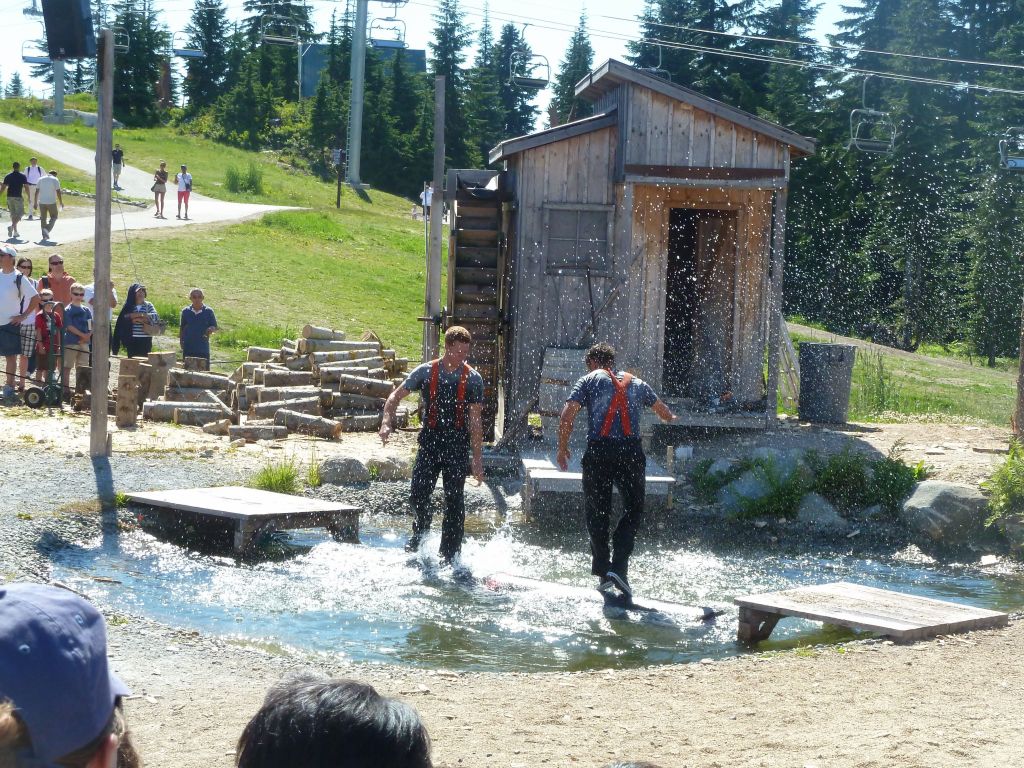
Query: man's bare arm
point(663, 411)
point(476, 439)
point(390, 408)
point(565, 422)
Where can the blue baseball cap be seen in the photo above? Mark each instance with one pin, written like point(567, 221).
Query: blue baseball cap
point(53, 667)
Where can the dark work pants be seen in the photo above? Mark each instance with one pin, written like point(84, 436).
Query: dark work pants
point(139, 347)
point(606, 463)
point(442, 452)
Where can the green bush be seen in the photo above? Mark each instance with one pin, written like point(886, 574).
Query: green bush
point(783, 497)
point(842, 477)
point(281, 477)
point(232, 179)
point(249, 180)
point(893, 480)
point(1006, 486)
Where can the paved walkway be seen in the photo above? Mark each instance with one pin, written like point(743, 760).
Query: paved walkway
point(134, 182)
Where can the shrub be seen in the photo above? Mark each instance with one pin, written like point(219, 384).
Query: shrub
point(249, 180)
point(842, 478)
point(879, 392)
point(893, 480)
point(784, 494)
point(282, 477)
point(1006, 486)
point(233, 179)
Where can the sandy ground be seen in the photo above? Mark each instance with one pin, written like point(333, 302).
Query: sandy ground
point(135, 183)
point(953, 701)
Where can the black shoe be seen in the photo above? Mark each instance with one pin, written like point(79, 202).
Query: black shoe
point(413, 544)
point(620, 583)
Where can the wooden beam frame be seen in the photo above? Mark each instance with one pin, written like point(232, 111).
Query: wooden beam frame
point(704, 172)
point(777, 182)
point(551, 135)
point(774, 307)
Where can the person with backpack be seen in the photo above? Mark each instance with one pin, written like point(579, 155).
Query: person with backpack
point(615, 456)
point(453, 394)
point(18, 300)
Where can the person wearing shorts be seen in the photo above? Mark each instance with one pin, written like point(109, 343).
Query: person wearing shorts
point(14, 184)
point(18, 299)
point(184, 180)
point(49, 194)
point(33, 173)
point(77, 333)
point(160, 189)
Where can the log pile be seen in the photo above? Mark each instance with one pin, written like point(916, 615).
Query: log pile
point(320, 384)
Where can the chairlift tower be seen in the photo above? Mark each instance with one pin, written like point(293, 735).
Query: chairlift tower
point(274, 31)
point(33, 11)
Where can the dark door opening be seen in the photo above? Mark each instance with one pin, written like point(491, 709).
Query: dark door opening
point(699, 284)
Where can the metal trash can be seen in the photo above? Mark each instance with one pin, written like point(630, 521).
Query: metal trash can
point(826, 372)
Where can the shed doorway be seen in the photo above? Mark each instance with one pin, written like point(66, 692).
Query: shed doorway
point(700, 284)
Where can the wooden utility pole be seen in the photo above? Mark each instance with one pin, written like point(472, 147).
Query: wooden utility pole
point(98, 445)
point(1018, 418)
point(433, 298)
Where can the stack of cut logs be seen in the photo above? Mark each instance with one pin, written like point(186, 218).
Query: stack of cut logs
point(320, 384)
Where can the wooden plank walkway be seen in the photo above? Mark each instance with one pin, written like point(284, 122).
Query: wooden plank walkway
point(893, 614)
point(253, 511)
point(543, 477)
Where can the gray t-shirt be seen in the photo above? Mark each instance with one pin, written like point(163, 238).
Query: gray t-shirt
point(594, 392)
point(447, 391)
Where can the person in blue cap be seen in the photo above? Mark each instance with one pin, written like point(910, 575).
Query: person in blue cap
point(59, 701)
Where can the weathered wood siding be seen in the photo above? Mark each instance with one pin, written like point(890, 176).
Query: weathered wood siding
point(663, 131)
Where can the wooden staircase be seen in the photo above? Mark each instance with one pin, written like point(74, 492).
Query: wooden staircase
point(475, 266)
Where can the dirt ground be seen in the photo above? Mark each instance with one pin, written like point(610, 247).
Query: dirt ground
point(953, 701)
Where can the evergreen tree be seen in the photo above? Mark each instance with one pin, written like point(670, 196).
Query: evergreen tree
point(208, 32)
point(483, 102)
point(382, 160)
point(277, 61)
point(339, 47)
point(511, 54)
point(578, 61)
point(244, 113)
point(236, 51)
point(403, 94)
point(15, 88)
point(451, 36)
point(138, 70)
point(327, 127)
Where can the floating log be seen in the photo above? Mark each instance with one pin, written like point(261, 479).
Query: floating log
point(160, 363)
point(359, 356)
point(358, 385)
point(307, 424)
point(303, 405)
point(317, 332)
point(266, 394)
point(196, 364)
point(257, 432)
point(127, 409)
point(286, 378)
point(260, 354)
point(305, 346)
point(163, 410)
point(201, 379)
point(195, 417)
point(192, 394)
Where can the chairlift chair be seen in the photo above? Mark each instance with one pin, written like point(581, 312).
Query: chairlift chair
point(657, 71)
point(122, 40)
point(181, 49)
point(529, 71)
point(271, 36)
point(871, 131)
point(33, 11)
point(387, 32)
point(32, 54)
point(1013, 139)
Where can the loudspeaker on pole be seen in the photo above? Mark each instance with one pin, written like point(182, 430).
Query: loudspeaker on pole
point(69, 32)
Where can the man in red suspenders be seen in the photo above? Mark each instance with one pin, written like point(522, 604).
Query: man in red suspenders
point(453, 395)
point(614, 456)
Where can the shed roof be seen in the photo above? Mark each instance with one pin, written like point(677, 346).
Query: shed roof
point(612, 74)
point(558, 133)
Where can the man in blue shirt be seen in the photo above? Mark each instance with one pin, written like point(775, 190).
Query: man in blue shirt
point(614, 456)
point(453, 395)
point(197, 323)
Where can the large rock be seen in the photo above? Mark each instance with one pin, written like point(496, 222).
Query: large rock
point(343, 470)
point(1012, 528)
point(815, 510)
point(748, 487)
point(388, 468)
point(946, 512)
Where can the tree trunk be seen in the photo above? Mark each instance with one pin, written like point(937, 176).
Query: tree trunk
point(357, 385)
point(261, 354)
point(163, 410)
point(307, 424)
point(127, 408)
point(257, 432)
point(196, 417)
point(201, 379)
point(285, 378)
point(316, 332)
point(304, 405)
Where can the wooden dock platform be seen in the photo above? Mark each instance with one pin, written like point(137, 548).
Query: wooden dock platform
point(544, 479)
point(253, 511)
point(893, 614)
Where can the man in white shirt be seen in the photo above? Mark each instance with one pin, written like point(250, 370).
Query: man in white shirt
point(90, 296)
point(48, 192)
point(184, 180)
point(33, 173)
point(425, 197)
point(18, 299)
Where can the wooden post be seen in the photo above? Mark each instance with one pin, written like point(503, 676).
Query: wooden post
point(98, 443)
point(433, 290)
point(127, 409)
point(160, 363)
point(1018, 419)
point(774, 306)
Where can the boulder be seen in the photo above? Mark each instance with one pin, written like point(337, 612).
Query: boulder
point(1012, 528)
point(388, 468)
point(815, 510)
point(946, 512)
point(343, 470)
point(750, 486)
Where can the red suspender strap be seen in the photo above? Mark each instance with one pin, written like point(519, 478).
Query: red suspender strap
point(460, 399)
point(460, 396)
point(435, 372)
point(619, 406)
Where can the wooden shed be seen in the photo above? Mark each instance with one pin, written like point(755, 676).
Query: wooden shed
point(656, 224)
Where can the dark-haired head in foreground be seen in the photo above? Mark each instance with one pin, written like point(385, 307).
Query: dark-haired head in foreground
point(314, 722)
